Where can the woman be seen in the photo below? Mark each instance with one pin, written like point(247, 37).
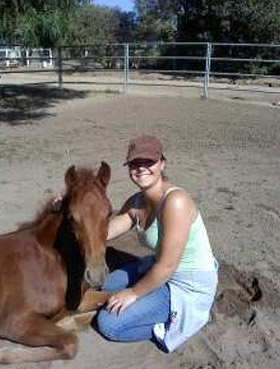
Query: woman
point(166, 297)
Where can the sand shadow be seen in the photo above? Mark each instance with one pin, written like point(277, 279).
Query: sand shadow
point(242, 293)
point(23, 104)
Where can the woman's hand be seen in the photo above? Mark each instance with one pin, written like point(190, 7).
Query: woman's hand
point(121, 300)
point(57, 203)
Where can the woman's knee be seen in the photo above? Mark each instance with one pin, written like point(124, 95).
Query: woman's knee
point(108, 325)
point(116, 281)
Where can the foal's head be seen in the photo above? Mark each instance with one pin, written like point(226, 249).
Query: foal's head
point(90, 209)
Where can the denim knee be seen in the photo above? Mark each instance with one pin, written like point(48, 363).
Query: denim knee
point(116, 281)
point(108, 325)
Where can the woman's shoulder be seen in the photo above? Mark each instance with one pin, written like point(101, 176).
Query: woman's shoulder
point(136, 200)
point(133, 203)
point(178, 198)
point(175, 192)
point(133, 206)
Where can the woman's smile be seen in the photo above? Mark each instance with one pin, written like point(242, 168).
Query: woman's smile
point(141, 176)
point(145, 173)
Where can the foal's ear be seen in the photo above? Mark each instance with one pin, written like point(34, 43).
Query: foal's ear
point(104, 173)
point(70, 176)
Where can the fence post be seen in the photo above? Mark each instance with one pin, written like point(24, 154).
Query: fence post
point(60, 80)
point(27, 57)
point(207, 70)
point(126, 67)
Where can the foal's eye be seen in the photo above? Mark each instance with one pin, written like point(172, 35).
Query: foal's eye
point(70, 217)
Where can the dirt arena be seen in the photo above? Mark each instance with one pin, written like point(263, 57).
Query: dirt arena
point(226, 152)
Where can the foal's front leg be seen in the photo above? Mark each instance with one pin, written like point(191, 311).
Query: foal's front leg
point(49, 341)
point(92, 300)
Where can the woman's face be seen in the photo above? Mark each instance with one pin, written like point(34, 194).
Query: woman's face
point(145, 172)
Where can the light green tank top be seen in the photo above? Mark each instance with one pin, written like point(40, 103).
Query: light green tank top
point(197, 254)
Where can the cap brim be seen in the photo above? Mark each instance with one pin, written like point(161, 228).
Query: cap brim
point(141, 157)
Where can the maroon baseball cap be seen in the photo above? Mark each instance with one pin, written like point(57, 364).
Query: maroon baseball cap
point(144, 147)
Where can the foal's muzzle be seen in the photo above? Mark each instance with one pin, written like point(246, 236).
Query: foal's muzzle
point(96, 276)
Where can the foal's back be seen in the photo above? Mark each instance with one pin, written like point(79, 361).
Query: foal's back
point(32, 274)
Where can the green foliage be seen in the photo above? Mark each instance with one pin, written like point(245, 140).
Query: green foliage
point(95, 25)
point(127, 26)
point(6, 27)
point(214, 20)
point(259, 20)
point(46, 28)
point(50, 23)
point(157, 19)
point(36, 22)
point(226, 21)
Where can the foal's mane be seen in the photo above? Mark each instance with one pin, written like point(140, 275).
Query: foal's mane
point(85, 179)
point(41, 214)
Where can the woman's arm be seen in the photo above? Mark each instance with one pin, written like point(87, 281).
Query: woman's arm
point(177, 216)
point(123, 221)
point(118, 225)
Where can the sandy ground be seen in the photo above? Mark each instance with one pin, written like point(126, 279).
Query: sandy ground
point(224, 151)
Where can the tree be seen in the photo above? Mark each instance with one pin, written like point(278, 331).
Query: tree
point(35, 22)
point(52, 23)
point(157, 19)
point(256, 21)
point(95, 24)
point(127, 26)
point(48, 28)
point(216, 20)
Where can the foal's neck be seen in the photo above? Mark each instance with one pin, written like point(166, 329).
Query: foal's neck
point(46, 230)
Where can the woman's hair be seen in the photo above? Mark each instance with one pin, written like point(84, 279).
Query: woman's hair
point(163, 173)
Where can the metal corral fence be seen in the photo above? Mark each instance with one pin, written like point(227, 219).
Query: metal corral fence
point(135, 63)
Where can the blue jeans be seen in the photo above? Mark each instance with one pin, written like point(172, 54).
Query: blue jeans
point(138, 319)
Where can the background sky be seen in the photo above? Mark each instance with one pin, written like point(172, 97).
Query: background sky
point(126, 5)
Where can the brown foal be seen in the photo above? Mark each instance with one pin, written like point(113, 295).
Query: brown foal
point(42, 268)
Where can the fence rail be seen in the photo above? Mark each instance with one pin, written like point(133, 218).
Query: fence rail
point(202, 59)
